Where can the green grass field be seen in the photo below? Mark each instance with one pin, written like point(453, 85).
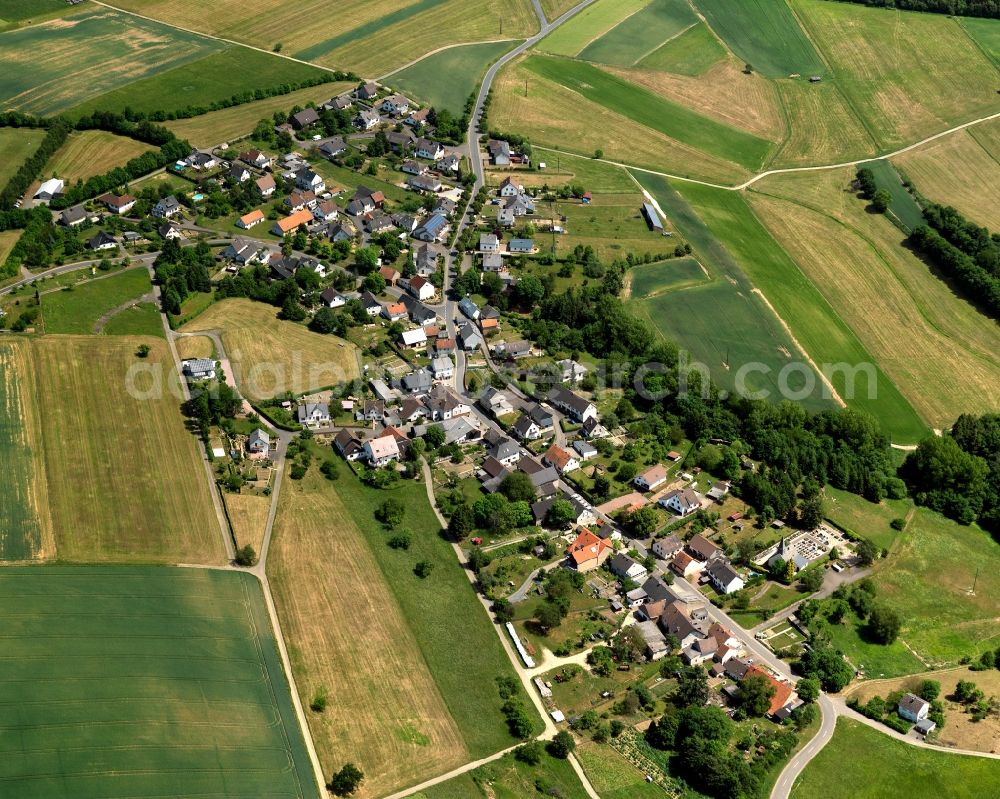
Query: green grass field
point(464, 67)
point(454, 633)
point(16, 144)
point(650, 280)
point(765, 34)
point(588, 25)
point(142, 320)
point(87, 55)
point(862, 763)
point(985, 33)
point(691, 53)
point(814, 324)
point(16, 10)
point(903, 210)
point(612, 776)
point(217, 76)
point(640, 34)
point(78, 310)
point(652, 111)
point(509, 778)
point(144, 681)
point(865, 518)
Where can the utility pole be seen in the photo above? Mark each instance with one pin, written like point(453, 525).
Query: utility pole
point(974, 581)
point(525, 87)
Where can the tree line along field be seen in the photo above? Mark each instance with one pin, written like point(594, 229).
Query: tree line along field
point(124, 481)
point(86, 55)
point(429, 700)
point(910, 321)
point(464, 65)
point(144, 681)
point(217, 76)
point(25, 525)
point(855, 764)
point(960, 170)
point(92, 152)
point(272, 356)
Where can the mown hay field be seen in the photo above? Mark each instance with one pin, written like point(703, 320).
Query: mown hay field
point(691, 52)
point(199, 83)
point(271, 356)
point(464, 66)
point(219, 126)
point(899, 69)
point(553, 9)
point(853, 766)
point(125, 480)
point(78, 309)
point(916, 328)
point(8, 238)
point(16, 144)
point(87, 55)
point(649, 280)
point(248, 513)
point(957, 170)
point(92, 152)
point(765, 34)
point(144, 681)
point(589, 25)
point(340, 619)
point(195, 347)
point(18, 10)
point(25, 525)
point(640, 34)
point(556, 116)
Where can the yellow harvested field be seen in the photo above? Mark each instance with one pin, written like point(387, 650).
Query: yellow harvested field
point(959, 730)
point(988, 135)
point(747, 102)
point(195, 347)
point(248, 513)
point(822, 128)
point(918, 330)
point(230, 123)
point(555, 116)
point(554, 9)
point(93, 152)
point(957, 170)
point(908, 75)
point(271, 356)
point(339, 618)
point(125, 479)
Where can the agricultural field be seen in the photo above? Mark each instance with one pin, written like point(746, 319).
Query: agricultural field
point(749, 103)
point(16, 144)
point(464, 67)
point(652, 111)
point(195, 347)
point(765, 34)
point(612, 776)
point(248, 513)
point(144, 681)
point(125, 482)
point(230, 123)
point(928, 577)
point(25, 526)
point(79, 309)
point(92, 152)
point(910, 321)
point(556, 116)
point(898, 69)
point(853, 765)
point(8, 238)
point(903, 210)
point(140, 319)
point(589, 25)
point(986, 33)
point(200, 83)
point(691, 52)
point(650, 280)
point(271, 356)
point(868, 519)
point(325, 585)
point(509, 778)
point(78, 51)
point(553, 9)
point(24, 10)
point(640, 34)
point(957, 170)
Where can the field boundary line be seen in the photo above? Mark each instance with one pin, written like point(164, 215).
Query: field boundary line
point(664, 43)
point(603, 33)
point(437, 50)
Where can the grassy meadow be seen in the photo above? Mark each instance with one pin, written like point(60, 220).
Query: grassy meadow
point(248, 514)
point(271, 356)
point(16, 144)
point(650, 280)
point(25, 526)
point(125, 482)
point(589, 25)
point(854, 766)
point(614, 777)
point(87, 55)
point(509, 778)
point(765, 34)
point(92, 152)
point(392, 718)
point(640, 34)
point(141, 319)
point(914, 326)
point(652, 111)
point(215, 77)
point(957, 170)
point(144, 681)
point(903, 209)
point(691, 52)
point(464, 67)
point(78, 309)
point(868, 519)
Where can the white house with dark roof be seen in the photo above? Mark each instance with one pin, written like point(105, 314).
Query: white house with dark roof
point(313, 414)
point(682, 502)
point(724, 577)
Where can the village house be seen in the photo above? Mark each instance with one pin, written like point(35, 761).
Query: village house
point(366, 119)
point(304, 118)
point(628, 568)
point(415, 339)
point(325, 211)
point(238, 173)
point(247, 221)
point(524, 246)
point(421, 288)
point(332, 298)
point(703, 549)
point(241, 251)
point(488, 242)
point(117, 204)
point(198, 368)
point(570, 371)
point(561, 459)
point(394, 311)
point(432, 229)
point(102, 241)
point(349, 445)
point(258, 445)
point(418, 382)
point(652, 478)
point(429, 149)
point(291, 222)
point(682, 502)
point(166, 207)
point(332, 147)
point(381, 451)
point(367, 90)
point(395, 104)
point(169, 230)
point(510, 187)
point(686, 564)
point(499, 152)
point(444, 403)
point(583, 514)
point(578, 408)
point(411, 167)
point(588, 551)
point(256, 158)
point(265, 186)
point(200, 161)
point(428, 184)
point(442, 367)
point(313, 414)
point(913, 708)
point(724, 577)
point(308, 180)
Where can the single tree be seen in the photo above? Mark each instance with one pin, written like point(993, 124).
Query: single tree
point(346, 781)
point(562, 745)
